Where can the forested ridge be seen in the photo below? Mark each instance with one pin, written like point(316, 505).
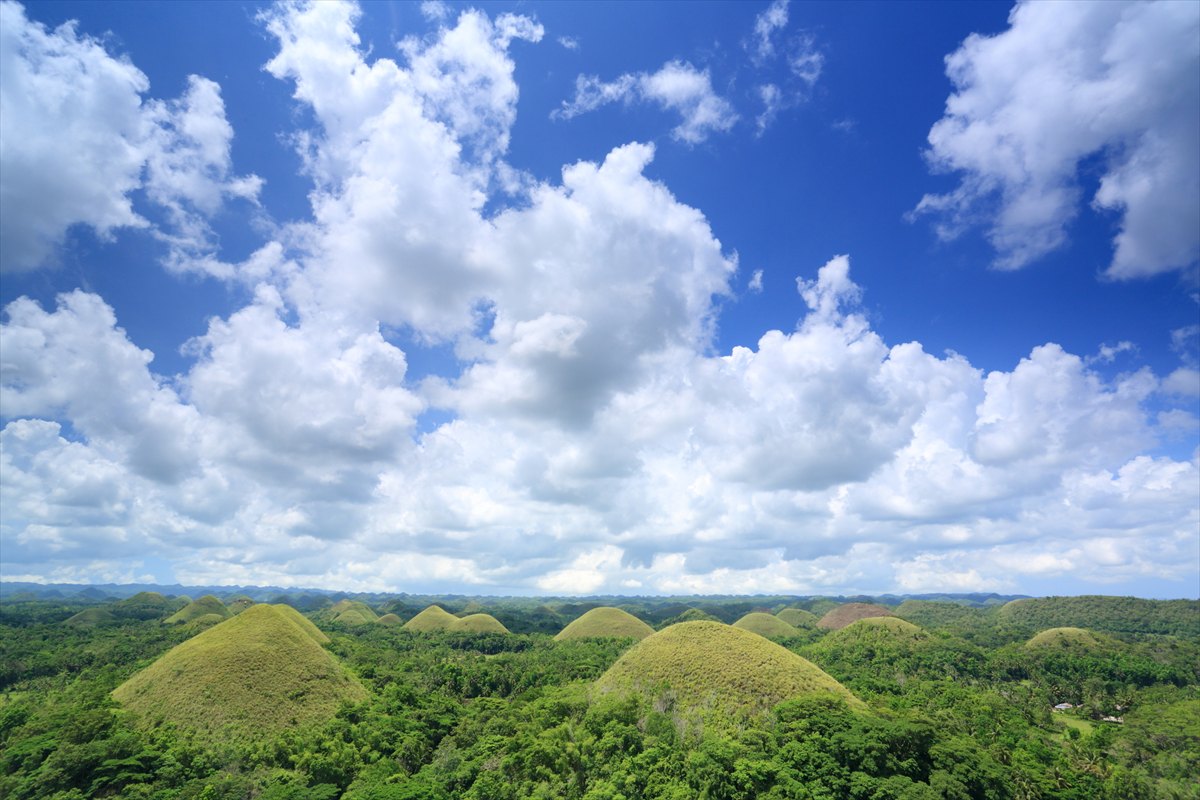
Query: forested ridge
point(957, 701)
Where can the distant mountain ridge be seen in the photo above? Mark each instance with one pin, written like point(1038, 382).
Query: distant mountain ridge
point(109, 591)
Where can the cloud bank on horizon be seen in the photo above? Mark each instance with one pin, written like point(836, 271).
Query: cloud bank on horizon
point(588, 435)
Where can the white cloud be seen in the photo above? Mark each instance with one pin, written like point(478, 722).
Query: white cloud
point(595, 440)
point(676, 86)
point(76, 137)
point(756, 282)
point(768, 21)
point(568, 42)
point(1064, 83)
point(772, 100)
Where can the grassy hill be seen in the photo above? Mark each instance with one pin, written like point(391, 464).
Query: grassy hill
point(605, 622)
point(716, 671)
point(478, 623)
point(766, 625)
point(260, 672)
point(390, 619)
point(874, 630)
point(433, 618)
point(90, 617)
point(1076, 639)
point(843, 615)
point(238, 603)
point(198, 608)
point(798, 617)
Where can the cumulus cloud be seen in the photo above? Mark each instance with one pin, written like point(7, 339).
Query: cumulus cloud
point(1065, 83)
point(772, 19)
point(590, 437)
point(78, 141)
point(677, 86)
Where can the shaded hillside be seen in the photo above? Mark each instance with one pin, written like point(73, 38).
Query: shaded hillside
point(262, 671)
point(91, 617)
point(605, 621)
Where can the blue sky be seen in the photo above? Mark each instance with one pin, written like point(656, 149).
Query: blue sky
point(575, 298)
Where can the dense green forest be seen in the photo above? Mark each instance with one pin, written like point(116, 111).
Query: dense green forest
point(921, 699)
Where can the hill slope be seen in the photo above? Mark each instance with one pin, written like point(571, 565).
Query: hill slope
point(478, 623)
point(798, 617)
point(717, 671)
point(1067, 639)
point(90, 617)
point(433, 618)
point(843, 615)
point(603, 622)
point(262, 671)
point(766, 625)
point(198, 608)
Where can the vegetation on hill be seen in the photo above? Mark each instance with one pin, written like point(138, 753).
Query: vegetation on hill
point(798, 617)
point(90, 617)
point(843, 615)
point(961, 709)
point(766, 625)
point(257, 673)
point(605, 621)
point(1109, 614)
point(477, 623)
point(206, 605)
point(433, 618)
point(146, 605)
point(390, 619)
point(716, 672)
point(1067, 639)
point(238, 603)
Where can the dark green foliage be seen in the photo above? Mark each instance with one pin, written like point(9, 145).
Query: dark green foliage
point(957, 709)
point(1111, 614)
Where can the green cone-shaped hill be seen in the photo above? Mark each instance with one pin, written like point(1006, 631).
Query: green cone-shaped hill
point(717, 671)
point(478, 623)
point(434, 618)
point(605, 621)
point(258, 673)
point(198, 608)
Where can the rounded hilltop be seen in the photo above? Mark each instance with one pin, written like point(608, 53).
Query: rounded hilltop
point(716, 671)
point(478, 623)
point(433, 618)
point(798, 617)
point(201, 607)
point(877, 631)
point(90, 617)
point(1066, 639)
point(260, 672)
point(843, 615)
point(352, 612)
point(605, 622)
point(767, 625)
